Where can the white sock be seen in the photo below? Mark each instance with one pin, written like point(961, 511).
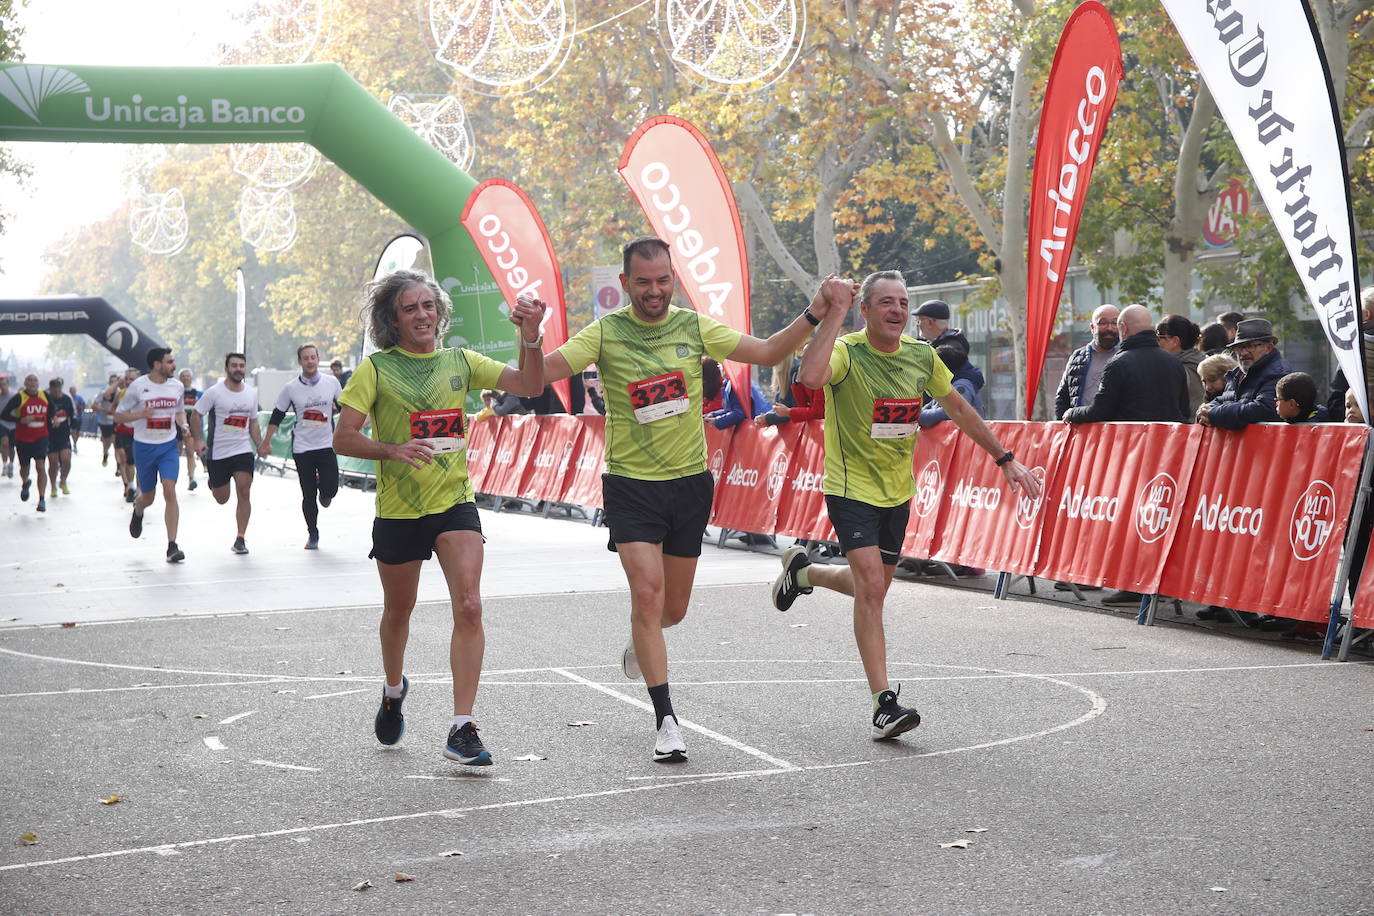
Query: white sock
point(393, 690)
point(460, 721)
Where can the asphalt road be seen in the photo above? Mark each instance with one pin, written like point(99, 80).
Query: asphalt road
point(1090, 765)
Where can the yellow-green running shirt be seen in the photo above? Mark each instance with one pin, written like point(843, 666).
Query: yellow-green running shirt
point(651, 373)
point(391, 386)
point(869, 394)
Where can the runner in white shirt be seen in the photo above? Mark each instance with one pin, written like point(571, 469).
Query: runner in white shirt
point(152, 406)
point(227, 448)
point(314, 398)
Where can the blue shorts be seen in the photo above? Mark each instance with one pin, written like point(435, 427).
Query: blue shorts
point(154, 461)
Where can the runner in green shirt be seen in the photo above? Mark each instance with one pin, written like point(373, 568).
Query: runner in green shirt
point(657, 491)
point(415, 392)
point(874, 380)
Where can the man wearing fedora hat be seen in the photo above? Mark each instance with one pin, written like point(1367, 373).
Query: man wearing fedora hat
point(1249, 396)
point(932, 324)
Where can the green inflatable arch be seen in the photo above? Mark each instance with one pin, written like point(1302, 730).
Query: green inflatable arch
point(318, 104)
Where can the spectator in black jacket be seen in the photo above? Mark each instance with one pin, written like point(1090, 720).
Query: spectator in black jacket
point(1141, 382)
point(1296, 399)
point(1249, 396)
point(932, 323)
point(1084, 369)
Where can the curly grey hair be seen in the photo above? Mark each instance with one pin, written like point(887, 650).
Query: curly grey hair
point(380, 298)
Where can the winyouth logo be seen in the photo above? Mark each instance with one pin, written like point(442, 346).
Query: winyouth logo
point(1155, 507)
point(777, 475)
point(1027, 508)
point(928, 485)
point(1314, 517)
point(717, 464)
point(27, 86)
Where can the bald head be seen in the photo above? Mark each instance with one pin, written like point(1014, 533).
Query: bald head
point(1134, 319)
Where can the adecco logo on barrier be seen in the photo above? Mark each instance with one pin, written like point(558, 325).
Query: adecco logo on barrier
point(717, 464)
point(1027, 508)
point(928, 485)
point(777, 475)
point(1314, 516)
point(1155, 507)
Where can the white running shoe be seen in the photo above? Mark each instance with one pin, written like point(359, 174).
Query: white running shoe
point(629, 663)
point(670, 748)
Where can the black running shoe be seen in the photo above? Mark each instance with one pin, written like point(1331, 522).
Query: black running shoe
point(390, 723)
point(325, 501)
point(313, 542)
point(174, 554)
point(24, 492)
point(192, 485)
point(466, 747)
point(136, 524)
point(42, 506)
point(239, 547)
point(785, 588)
point(891, 719)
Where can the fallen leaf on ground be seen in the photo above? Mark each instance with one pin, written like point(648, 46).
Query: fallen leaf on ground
point(555, 855)
point(361, 886)
point(531, 757)
point(28, 839)
point(402, 877)
point(1217, 889)
point(68, 625)
point(58, 585)
point(112, 800)
point(798, 625)
point(344, 672)
point(957, 844)
point(976, 830)
point(1369, 729)
point(451, 852)
point(281, 628)
point(197, 715)
point(580, 724)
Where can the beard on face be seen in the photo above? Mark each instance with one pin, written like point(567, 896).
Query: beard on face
point(1105, 339)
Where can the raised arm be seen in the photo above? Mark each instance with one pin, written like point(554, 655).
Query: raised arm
point(815, 365)
point(770, 352)
point(528, 380)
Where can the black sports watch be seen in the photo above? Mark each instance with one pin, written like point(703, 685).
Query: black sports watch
point(1006, 457)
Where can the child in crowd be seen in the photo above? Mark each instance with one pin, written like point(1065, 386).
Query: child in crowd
point(1296, 399)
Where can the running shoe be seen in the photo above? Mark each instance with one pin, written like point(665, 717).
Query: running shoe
point(42, 506)
point(136, 524)
point(466, 747)
point(24, 491)
point(891, 719)
point(105, 462)
point(325, 501)
point(192, 485)
point(313, 542)
point(174, 554)
point(239, 546)
point(670, 748)
point(54, 491)
point(65, 491)
point(390, 723)
point(785, 587)
point(629, 664)
point(130, 494)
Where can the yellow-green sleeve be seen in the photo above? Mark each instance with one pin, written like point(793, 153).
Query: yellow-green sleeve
point(839, 362)
point(581, 351)
point(719, 339)
point(941, 381)
point(361, 391)
point(485, 371)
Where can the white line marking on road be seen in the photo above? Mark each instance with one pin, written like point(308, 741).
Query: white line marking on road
point(464, 778)
point(699, 729)
point(340, 693)
point(162, 670)
point(284, 766)
point(77, 691)
point(232, 719)
point(214, 744)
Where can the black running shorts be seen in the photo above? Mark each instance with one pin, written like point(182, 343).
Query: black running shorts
point(673, 513)
point(403, 540)
point(32, 451)
point(222, 470)
point(126, 442)
point(858, 524)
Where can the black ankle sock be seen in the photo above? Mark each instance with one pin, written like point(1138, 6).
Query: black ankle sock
point(663, 706)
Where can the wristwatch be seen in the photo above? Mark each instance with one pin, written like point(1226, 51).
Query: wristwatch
point(1006, 457)
point(806, 313)
point(534, 344)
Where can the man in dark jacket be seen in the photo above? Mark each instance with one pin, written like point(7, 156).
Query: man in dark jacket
point(932, 323)
point(1249, 396)
point(1084, 369)
point(1141, 382)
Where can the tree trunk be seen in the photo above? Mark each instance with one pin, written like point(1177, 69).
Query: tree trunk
point(1193, 194)
point(1013, 247)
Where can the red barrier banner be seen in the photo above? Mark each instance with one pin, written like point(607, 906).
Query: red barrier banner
point(1115, 503)
point(668, 163)
point(932, 464)
point(1073, 118)
point(1362, 615)
point(481, 446)
point(717, 448)
point(801, 504)
point(1264, 519)
point(511, 462)
point(515, 246)
point(551, 460)
point(756, 469)
point(984, 523)
point(587, 464)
